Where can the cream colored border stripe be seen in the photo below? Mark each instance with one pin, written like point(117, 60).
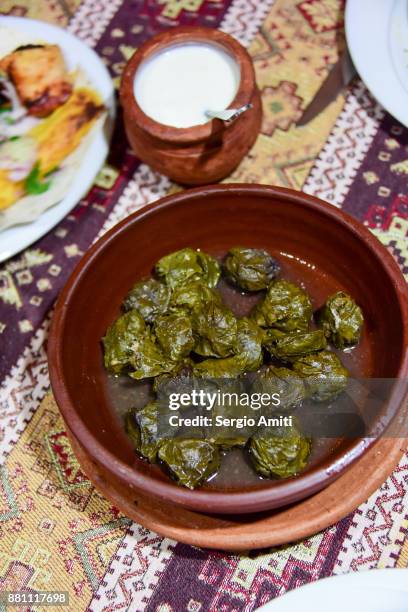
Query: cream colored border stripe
point(345, 149)
point(92, 18)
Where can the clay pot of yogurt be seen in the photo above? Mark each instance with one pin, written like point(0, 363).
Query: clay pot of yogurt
point(167, 87)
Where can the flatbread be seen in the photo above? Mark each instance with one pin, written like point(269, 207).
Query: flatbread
point(30, 207)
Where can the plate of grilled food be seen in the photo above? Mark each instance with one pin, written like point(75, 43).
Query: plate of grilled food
point(377, 38)
point(56, 115)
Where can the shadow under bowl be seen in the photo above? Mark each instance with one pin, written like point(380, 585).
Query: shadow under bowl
point(314, 241)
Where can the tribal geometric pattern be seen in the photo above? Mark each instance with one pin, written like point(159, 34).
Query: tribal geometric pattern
point(56, 531)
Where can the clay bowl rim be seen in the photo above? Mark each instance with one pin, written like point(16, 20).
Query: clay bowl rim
point(181, 34)
point(282, 492)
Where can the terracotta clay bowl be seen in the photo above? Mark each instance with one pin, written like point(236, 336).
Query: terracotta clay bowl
point(199, 154)
point(315, 243)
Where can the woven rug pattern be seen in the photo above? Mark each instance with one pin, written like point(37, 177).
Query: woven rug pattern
point(56, 531)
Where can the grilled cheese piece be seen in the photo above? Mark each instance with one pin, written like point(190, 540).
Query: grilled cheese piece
point(40, 77)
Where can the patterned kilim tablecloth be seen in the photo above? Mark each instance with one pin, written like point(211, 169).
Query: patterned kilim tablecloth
point(56, 531)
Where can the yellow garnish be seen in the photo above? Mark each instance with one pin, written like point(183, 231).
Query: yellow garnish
point(10, 191)
point(59, 134)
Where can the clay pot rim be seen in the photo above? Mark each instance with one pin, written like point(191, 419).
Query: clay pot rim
point(240, 501)
point(184, 34)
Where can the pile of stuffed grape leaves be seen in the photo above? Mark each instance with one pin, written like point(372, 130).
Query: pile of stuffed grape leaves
point(178, 324)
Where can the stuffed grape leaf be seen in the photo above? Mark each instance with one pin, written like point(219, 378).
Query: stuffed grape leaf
point(118, 341)
point(250, 269)
point(174, 335)
point(215, 330)
point(341, 319)
point(279, 452)
point(192, 296)
point(285, 382)
point(149, 297)
point(286, 307)
point(249, 344)
point(148, 359)
point(248, 354)
point(324, 375)
point(228, 367)
point(176, 380)
point(289, 347)
point(190, 462)
point(229, 428)
point(141, 427)
point(188, 265)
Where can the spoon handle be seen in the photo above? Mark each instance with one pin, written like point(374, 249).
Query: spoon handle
point(229, 114)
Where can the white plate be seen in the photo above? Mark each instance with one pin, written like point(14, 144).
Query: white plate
point(370, 591)
point(377, 36)
point(76, 53)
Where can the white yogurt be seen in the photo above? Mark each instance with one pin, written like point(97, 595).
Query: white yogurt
point(177, 85)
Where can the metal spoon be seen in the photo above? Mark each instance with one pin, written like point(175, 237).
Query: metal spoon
point(229, 114)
